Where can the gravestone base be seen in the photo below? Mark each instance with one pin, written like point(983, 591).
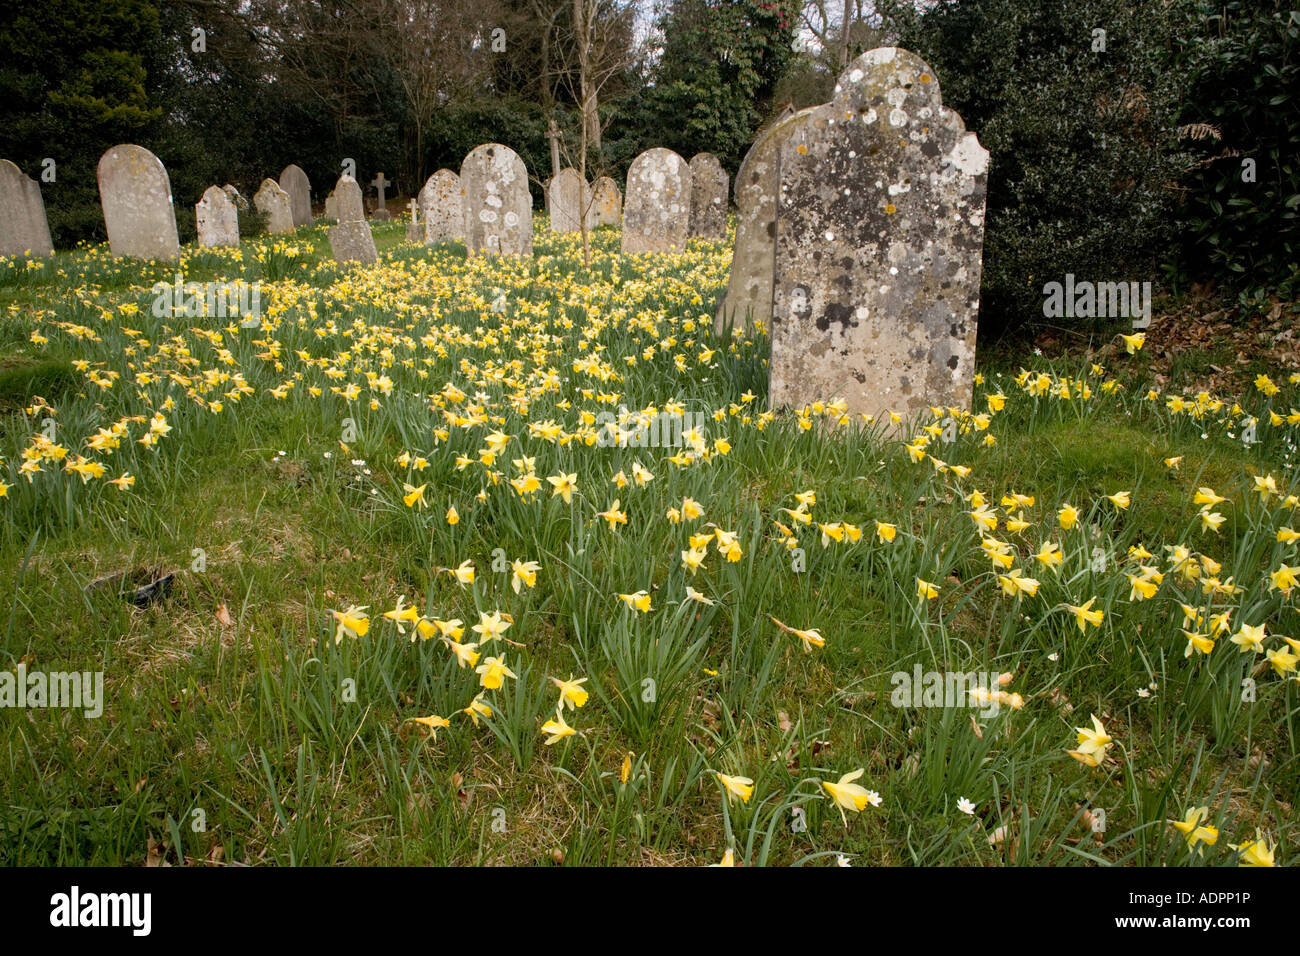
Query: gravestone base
point(353, 242)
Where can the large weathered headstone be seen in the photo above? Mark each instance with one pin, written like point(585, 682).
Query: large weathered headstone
point(24, 230)
point(381, 203)
point(570, 201)
point(657, 203)
point(351, 239)
point(498, 207)
point(879, 237)
point(443, 207)
point(708, 197)
point(749, 290)
point(136, 196)
point(216, 218)
point(274, 203)
point(606, 203)
point(295, 182)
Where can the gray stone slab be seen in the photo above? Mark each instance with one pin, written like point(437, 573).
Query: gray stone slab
point(709, 188)
point(136, 195)
point(879, 238)
point(657, 204)
point(24, 230)
point(498, 207)
point(295, 182)
point(275, 204)
point(216, 219)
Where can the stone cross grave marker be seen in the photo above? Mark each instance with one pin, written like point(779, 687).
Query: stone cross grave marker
point(381, 210)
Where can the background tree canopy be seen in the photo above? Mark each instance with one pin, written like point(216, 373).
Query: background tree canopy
point(1118, 160)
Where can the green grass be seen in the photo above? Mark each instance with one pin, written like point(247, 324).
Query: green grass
point(236, 729)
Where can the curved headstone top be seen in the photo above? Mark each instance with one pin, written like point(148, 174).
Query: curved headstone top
point(216, 219)
point(709, 192)
point(136, 195)
point(295, 182)
point(606, 202)
point(498, 206)
point(443, 207)
point(570, 198)
point(276, 204)
point(879, 238)
point(24, 230)
point(657, 203)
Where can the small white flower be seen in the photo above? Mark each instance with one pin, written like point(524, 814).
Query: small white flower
point(842, 860)
point(1053, 656)
point(873, 798)
point(966, 807)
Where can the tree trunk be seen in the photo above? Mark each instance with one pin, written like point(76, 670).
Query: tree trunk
point(844, 33)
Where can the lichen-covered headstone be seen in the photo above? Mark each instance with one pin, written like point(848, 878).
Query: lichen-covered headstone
point(295, 182)
point(351, 239)
point(879, 236)
point(570, 199)
point(708, 197)
point(136, 196)
point(274, 203)
point(749, 290)
point(331, 207)
point(498, 207)
point(657, 203)
point(443, 207)
point(216, 219)
point(606, 203)
point(24, 230)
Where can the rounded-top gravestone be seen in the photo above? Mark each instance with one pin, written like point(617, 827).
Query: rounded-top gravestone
point(879, 238)
point(498, 206)
point(708, 197)
point(136, 196)
point(657, 203)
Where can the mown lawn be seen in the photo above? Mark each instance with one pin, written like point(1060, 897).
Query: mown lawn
point(299, 477)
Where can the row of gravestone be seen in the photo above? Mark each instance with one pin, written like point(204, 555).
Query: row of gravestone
point(669, 201)
point(860, 227)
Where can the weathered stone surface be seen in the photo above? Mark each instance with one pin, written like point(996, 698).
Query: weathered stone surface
point(274, 202)
point(443, 207)
point(657, 204)
point(498, 207)
point(749, 290)
point(295, 182)
point(331, 207)
point(709, 186)
point(879, 236)
point(607, 203)
point(348, 201)
point(353, 242)
point(351, 239)
point(24, 230)
point(136, 196)
point(241, 204)
point(570, 199)
point(216, 218)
